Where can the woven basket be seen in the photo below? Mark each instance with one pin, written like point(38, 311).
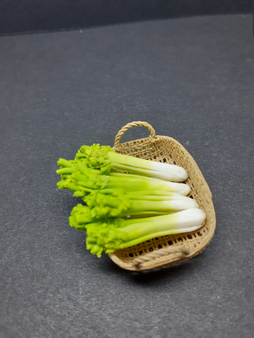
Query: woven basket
point(173, 249)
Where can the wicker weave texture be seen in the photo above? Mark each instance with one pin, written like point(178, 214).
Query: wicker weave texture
point(167, 250)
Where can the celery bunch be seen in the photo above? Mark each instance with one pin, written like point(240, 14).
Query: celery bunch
point(112, 196)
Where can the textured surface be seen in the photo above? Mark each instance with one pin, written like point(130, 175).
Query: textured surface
point(192, 80)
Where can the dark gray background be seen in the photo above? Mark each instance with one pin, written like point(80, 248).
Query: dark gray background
point(17, 16)
point(192, 80)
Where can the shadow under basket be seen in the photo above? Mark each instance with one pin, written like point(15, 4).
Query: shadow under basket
point(168, 250)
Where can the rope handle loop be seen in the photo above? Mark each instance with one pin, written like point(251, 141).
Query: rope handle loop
point(131, 125)
point(182, 251)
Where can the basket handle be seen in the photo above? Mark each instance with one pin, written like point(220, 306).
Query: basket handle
point(182, 251)
point(131, 125)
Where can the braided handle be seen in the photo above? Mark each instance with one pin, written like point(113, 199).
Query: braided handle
point(182, 251)
point(131, 125)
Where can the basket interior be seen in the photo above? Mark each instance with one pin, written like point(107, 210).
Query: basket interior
point(168, 150)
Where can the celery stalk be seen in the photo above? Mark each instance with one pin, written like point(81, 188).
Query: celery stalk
point(114, 235)
point(105, 159)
